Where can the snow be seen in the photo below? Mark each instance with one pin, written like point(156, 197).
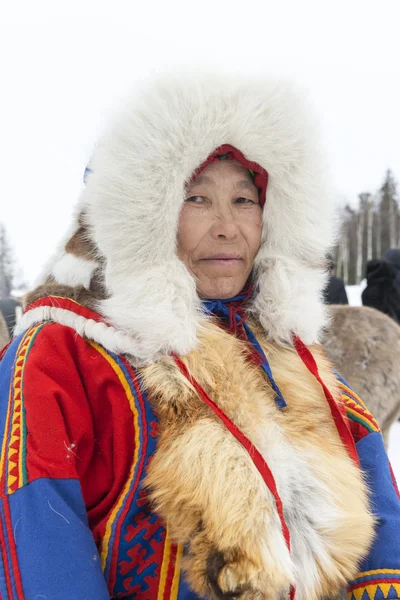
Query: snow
point(354, 293)
point(394, 449)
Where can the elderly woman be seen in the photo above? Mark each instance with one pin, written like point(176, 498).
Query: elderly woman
point(171, 428)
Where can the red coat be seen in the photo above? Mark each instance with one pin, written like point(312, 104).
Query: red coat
point(79, 432)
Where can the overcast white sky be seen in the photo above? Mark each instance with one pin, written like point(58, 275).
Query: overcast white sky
point(64, 67)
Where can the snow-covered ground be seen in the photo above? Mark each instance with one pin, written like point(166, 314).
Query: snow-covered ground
point(354, 293)
point(394, 449)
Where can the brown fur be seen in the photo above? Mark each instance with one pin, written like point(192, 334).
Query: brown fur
point(364, 345)
point(207, 489)
point(78, 293)
point(82, 246)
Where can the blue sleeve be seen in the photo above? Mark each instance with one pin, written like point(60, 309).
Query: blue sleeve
point(379, 575)
point(48, 550)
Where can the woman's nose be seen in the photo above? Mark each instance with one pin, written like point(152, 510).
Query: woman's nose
point(225, 227)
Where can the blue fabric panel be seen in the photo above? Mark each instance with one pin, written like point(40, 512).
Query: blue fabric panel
point(385, 552)
point(6, 372)
point(57, 555)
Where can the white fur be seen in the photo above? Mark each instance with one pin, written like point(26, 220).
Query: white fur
point(60, 249)
point(74, 270)
point(135, 193)
point(177, 296)
point(106, 335)
point(309, 506)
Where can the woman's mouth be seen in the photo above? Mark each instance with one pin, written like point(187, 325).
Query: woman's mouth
point(223, 259)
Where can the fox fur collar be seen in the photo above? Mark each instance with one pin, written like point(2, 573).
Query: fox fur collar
point(208, 491)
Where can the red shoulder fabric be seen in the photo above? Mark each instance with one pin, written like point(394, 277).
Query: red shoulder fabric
point(78, 420)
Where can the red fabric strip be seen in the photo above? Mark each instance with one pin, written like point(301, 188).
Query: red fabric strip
point(338, 417)
point(5, 561)
point(170, 572)
point(260, 174)
point(66, 304)
point(255, 455)
point(13, 550)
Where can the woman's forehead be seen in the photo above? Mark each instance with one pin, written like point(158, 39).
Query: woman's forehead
point(223, 169)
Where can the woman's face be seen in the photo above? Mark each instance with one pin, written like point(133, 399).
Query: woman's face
point(219, 231)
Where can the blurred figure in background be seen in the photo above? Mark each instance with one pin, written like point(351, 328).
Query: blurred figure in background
point(383, 288)
point(3, 332)
point(11, 310)
point(392, 256)
point(335, 292)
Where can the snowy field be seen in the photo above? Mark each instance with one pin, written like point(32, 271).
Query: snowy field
point(354, 293)
point(354, 297)
point(394, 449)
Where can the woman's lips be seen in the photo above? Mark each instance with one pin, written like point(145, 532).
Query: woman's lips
point(223, 259)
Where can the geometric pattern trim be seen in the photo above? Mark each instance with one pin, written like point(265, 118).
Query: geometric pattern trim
point(170, 570)
point(357, 411)
point(381, 584)
point(13, 455)
point(376, 591)
point(108, 542)
point(347, 391)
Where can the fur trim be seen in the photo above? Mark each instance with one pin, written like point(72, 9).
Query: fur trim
point(167, 322)
point(72, 270)
point(136, 189)
point(107, 336)
point(208, 491)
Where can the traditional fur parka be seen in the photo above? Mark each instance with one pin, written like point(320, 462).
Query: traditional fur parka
point(159, 447)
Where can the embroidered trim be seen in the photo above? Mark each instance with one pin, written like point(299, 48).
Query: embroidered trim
point(170, 570)
point(13, 456)
point(376, 590)
point(357, 411)
point(106, 554)
point(378, 584)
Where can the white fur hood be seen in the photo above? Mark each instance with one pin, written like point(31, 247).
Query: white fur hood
point(120, 254)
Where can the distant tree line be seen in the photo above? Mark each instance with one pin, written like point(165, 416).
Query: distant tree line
point(368, 230)
point(7, 264)
point(11, 277)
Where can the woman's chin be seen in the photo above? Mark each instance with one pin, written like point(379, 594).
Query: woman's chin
point(223, 289)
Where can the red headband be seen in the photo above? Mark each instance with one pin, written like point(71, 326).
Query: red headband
point(260, 175)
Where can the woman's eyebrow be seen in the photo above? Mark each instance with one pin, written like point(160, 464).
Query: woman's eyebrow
point(246, 184)
point(243, 184)
point(199, 180)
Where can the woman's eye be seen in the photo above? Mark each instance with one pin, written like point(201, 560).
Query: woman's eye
point(195, 199)
point(243, 200)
